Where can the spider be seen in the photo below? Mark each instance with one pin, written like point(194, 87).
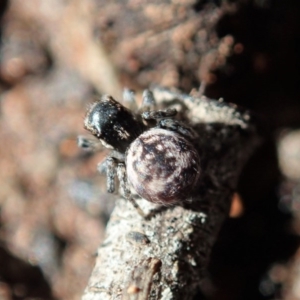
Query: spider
point(151, 151)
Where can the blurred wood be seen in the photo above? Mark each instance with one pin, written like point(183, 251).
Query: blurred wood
point(66, 30)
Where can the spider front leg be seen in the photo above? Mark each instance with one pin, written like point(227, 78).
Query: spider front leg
point(110, 168)
point(179, 127)
point(149, 102)
point(113, 168)
point(159, 114)
point(150, 111)
point(129, 98)
point(111, 165)
point(121, 173)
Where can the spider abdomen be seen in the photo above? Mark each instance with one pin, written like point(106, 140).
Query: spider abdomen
point(162, 166)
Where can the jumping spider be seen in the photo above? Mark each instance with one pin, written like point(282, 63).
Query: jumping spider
point(151, 151)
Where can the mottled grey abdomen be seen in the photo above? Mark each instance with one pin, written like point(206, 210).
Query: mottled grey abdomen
point(162, 166)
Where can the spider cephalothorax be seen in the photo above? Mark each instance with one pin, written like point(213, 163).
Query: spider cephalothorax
point(159, 161)
point(112, 123)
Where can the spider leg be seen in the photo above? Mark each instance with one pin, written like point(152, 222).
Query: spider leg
point(159, 114)
point(177, 126)
point(150, 112)
point(89, 143)
point(121, 173)
point(111, 165)
point(148, 102)
point(129, 98)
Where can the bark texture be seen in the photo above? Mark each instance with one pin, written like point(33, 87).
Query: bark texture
point(165, 257)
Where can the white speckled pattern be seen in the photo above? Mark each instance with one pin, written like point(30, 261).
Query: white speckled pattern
point(162, 166)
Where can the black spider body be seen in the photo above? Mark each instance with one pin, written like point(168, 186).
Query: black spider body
point(160, 161)
point(113, 124)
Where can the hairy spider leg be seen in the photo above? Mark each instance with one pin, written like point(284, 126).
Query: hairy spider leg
point(148, 102)
point(159, 114)
point(129, 99)
point(121, 173)
point(113, 168)
point(179, 127)
point(111, 165)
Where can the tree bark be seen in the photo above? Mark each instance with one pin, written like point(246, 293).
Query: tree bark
point(165, 257)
